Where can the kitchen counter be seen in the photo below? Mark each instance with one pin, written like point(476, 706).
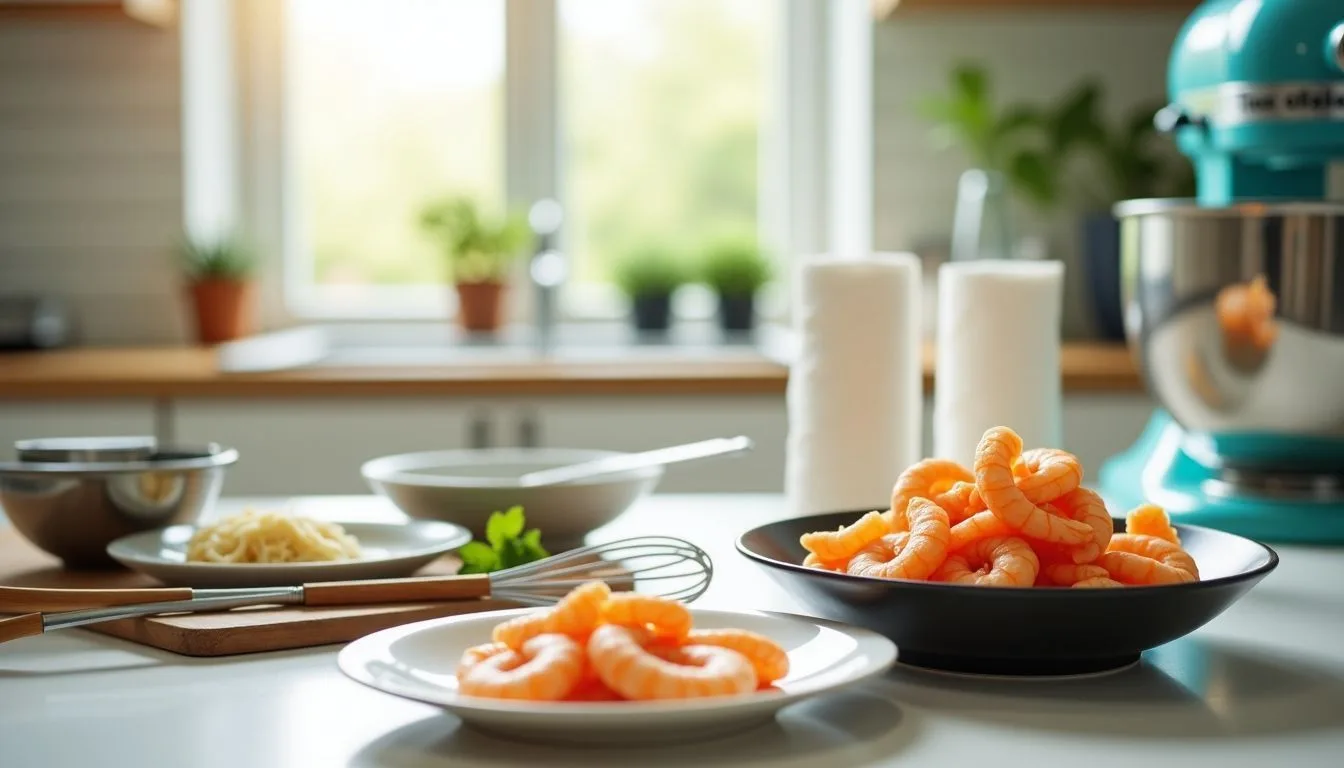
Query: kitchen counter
point(1262, 684)
point(194, 372)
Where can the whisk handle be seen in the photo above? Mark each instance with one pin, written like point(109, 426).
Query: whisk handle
point(424, 589)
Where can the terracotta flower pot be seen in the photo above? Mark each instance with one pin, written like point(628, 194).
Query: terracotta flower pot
point(223, 308)
point(480, 306)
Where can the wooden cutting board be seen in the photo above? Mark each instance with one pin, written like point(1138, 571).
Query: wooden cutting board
point(225, 633)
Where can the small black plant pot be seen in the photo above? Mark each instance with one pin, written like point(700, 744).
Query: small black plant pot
point(737, 314)
point(1101, 264)
point(653, 313)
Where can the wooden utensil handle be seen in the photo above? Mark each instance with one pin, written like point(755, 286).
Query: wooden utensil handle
point(425, 589)
point(28, 599)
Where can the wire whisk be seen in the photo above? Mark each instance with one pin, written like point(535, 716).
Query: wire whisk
point(659, 565)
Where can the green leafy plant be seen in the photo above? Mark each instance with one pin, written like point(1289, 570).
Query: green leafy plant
point(222, 259)
point(507, 544)
point(1130, 160)
point(650, 270)
point(1028, 144)
point(735, 266)
point(480, 249)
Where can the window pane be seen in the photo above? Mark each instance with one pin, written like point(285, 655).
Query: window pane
point(390, 103)
point(663, 101)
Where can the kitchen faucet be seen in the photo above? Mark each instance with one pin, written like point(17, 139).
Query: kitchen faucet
point(548, 269)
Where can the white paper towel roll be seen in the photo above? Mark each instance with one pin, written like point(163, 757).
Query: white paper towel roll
point(998, 354)
point(855, 393)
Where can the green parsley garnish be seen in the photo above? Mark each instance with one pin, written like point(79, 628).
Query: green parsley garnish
point(506, 544)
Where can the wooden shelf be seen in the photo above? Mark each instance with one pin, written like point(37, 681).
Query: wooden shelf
point(155, 13)
point(883, 9)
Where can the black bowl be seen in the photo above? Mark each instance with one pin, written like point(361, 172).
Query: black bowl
point(1012, 631)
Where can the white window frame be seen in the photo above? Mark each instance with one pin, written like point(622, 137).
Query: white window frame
point(816, 148)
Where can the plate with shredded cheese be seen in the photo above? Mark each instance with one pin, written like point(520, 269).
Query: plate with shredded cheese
point(257, 548)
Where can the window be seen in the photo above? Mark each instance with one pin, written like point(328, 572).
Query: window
point(666, 121)
point(664, 101)
point(388, 105)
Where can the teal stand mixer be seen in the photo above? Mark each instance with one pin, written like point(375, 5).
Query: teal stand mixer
point(1234, 301)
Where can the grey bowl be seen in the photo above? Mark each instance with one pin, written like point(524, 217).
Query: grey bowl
point(73, 510)
point(465, 486)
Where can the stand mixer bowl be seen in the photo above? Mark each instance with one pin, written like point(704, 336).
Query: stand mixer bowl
point(1236, 317)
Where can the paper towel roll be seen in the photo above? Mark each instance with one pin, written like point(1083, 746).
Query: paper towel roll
point(998, 354)
point(855, 393)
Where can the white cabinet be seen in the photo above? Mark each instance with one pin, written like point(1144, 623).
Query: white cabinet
point(316, 445)
point(638, 422)
point(21, 420)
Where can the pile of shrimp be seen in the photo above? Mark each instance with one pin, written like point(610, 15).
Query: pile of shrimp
point(1015, 519)
point(595, 645)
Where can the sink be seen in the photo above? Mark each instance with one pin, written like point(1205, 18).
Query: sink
point(436, 345)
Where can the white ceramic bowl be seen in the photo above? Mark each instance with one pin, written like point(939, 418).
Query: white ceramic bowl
point(464, 487)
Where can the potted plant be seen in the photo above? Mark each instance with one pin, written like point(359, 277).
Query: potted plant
point(1130, 164)
point(649, 275)
point(480, 250)
point(1017, 150)
point(220, 283)
point(735, 269)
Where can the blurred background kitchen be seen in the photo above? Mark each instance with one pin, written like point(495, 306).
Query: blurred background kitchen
point(338, 189)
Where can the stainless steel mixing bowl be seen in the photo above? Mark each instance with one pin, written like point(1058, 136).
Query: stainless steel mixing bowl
point(73, 510)
point(1190, 273)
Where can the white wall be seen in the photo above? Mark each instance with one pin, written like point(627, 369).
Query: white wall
point(90, 171)
point(1030, 55)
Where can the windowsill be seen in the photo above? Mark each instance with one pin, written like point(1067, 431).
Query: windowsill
point(411, 345)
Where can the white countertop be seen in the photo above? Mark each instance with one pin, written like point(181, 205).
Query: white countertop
point(1263, 684)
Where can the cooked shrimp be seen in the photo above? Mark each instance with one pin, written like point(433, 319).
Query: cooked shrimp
point(1000, 561)
point(666, 618)
point(1096, 582)
point(578, 612)
point(960, 501)
point(981, 525)
point(1151, 520)
point(1246, 312)
point(1161, 550)
point(878, 553)
point(994, 478)
point(812, 561)
point(478, 653)
point(927, 479)
point(690, 671)
point(547, 669)
point(520, 629)
point(1133, 568)
point(1050, 473)
point(1085, 506)
point(769, 660)
point(1068, 574)
point(593, 690)
point(843, 543)
point(915, 557)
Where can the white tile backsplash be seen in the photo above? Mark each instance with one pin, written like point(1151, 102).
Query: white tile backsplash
point(90, 169)
point(90, 172)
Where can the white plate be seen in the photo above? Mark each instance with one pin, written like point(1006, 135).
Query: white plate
point(416, 661)
point(389, 550)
